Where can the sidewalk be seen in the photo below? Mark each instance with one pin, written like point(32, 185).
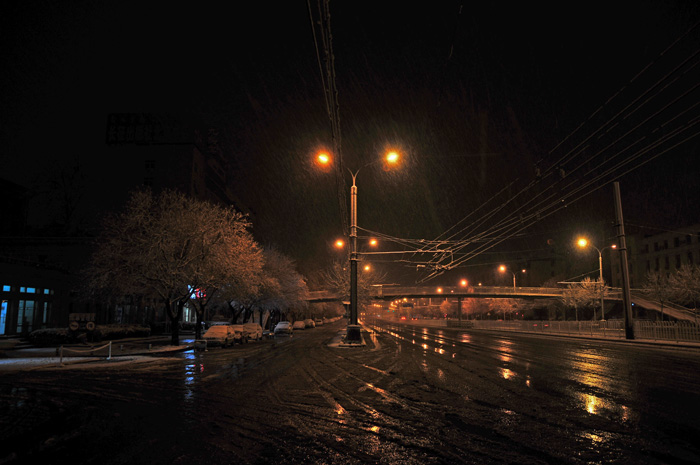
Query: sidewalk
point(125, 350)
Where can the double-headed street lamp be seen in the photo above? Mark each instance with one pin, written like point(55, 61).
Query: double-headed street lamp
point(583, 243)
point(353, 332)
point(504, 268)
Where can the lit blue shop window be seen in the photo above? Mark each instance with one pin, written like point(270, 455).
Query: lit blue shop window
point(22, 289)
point(31, 290)
point(6, 288)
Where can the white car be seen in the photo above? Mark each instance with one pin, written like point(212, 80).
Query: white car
point(220, 335)
point(253, 330)
point(241, 334)
point(283, 327)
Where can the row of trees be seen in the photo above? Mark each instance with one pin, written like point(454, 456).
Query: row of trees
point(179, 250)
point(681, 287)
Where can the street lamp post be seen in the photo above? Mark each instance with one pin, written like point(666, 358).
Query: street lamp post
point(583, 242)
point(503, 269)
point(353, 334)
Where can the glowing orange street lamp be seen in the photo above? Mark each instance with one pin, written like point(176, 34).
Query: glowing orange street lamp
point(503, 269)
point(583, 243)
point(373, 242)
point(353, 334)
point(339, 244)
point(464, 283)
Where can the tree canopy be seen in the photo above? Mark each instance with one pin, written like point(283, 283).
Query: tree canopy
point(169, 245)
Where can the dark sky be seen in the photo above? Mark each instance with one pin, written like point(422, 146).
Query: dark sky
point(477, 98)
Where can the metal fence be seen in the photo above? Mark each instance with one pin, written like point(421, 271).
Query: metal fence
point(675, 331)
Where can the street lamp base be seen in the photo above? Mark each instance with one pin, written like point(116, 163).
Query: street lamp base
point(353, 336)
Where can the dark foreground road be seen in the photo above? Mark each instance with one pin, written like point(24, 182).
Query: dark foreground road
point(411, 396)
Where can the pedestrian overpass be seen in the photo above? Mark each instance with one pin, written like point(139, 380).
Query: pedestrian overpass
point(389, 293)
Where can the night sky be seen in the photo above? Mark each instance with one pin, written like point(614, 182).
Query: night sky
point(493, 107)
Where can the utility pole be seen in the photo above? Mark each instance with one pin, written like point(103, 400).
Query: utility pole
point(626, 297)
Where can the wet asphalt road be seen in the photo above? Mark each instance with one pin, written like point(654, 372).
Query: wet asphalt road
point(410, 396)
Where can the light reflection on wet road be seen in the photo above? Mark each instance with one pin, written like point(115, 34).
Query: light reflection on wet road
point(628, 385)
point(411, 395)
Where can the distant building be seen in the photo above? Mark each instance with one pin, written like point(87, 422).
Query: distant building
point(13, 208)
point(163, 152)
point(665, 251)
point(40, 264)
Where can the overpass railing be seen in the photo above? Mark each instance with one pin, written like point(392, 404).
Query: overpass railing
point(447, 291)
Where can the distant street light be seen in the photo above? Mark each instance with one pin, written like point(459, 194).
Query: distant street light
point(583, 243)
point(503, 269)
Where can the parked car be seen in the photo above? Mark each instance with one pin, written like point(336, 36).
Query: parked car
point(241, 334)
point(299, 324)
point(220, 335)
point(254, 331)
point(283, 327)
point(309, 323)
point(318, 321)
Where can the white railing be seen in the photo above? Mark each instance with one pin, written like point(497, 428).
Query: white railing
point(91, 351)
point(674, 331)
point(611, 329)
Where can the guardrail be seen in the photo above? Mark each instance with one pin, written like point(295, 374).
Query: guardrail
point(673, 331)
point(91, 351)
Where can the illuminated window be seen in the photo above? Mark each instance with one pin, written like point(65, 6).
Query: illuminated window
point(25, 316)
point(3, 316)
point(45, 316)
point(6, 288)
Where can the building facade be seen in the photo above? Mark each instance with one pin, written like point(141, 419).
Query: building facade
point(665, 252)
point(40, 264)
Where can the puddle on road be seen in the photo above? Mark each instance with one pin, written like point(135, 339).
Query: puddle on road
point(465, 338)
point(592, 371)
point(605, 408)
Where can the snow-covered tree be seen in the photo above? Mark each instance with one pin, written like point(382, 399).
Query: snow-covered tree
point(582, 294)
point(658, 287)
point(169, 245)
point(234, 267)
point(685, 284)
point(282, 289)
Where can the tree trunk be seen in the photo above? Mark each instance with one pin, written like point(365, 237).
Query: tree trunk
point(175, 315)
point(199, 314)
